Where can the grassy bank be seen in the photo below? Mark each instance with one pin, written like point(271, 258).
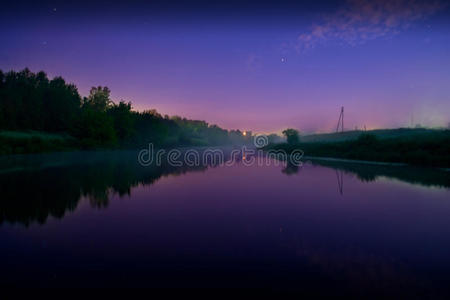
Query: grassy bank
point(391, 133)
point(427, 149)
point(20, 142)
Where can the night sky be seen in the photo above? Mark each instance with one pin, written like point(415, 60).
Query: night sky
point(257, 66)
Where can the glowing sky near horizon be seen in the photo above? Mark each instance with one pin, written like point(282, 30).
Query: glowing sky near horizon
point(255, 66)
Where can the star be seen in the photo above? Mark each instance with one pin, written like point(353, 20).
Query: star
point(54, 9)
point(283, 59)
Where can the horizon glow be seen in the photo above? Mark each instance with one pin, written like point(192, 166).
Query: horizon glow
point(260, 70)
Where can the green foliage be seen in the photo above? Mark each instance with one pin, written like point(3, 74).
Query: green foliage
point(292, 136)
point(60, 106)
point(30, 101)
point(123, 120)
point(96, 128)
point(98, 99)
point(32, 142)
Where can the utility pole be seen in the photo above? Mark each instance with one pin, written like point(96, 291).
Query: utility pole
point(340, 121)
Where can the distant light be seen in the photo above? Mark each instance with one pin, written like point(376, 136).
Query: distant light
point(283, 59)
point(54, 9)
point(244, 133)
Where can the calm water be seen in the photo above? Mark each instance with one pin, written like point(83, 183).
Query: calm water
point(100, 219)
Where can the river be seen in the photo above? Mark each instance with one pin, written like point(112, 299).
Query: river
point(99, 219)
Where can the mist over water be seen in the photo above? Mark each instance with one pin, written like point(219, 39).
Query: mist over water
point(102, 219)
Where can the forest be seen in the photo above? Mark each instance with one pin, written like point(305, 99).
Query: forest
point(40, 114)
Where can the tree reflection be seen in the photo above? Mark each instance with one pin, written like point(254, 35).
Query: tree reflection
point(290, 169)
point(54, 184)
point(431, 177)
point(32, 195)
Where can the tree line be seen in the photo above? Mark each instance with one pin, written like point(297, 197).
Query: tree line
point(32, 101)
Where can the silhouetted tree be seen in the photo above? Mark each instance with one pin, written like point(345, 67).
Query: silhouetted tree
point(98, 99)
point(31, 101)
point(291, 135)
point(96, 128)
point(61, 105)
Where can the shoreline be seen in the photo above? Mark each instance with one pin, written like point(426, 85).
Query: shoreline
point(357, 161)
point(369, 162)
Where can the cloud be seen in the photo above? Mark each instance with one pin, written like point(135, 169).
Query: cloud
point(360, 21)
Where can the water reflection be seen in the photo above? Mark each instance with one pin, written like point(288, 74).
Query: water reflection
point(430, 177)
point(36, 187)
point(241, 226)
point(340, 180)
point(290, 169)
point(51, 185)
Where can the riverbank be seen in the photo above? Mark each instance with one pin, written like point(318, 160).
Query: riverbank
point(430, 150)
point(14, 142)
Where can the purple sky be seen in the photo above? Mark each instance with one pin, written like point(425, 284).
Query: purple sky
point(256, 66)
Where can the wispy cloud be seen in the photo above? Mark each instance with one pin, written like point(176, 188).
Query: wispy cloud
point(363, 20)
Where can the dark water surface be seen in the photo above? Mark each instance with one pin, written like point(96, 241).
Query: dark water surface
point(100, 219)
